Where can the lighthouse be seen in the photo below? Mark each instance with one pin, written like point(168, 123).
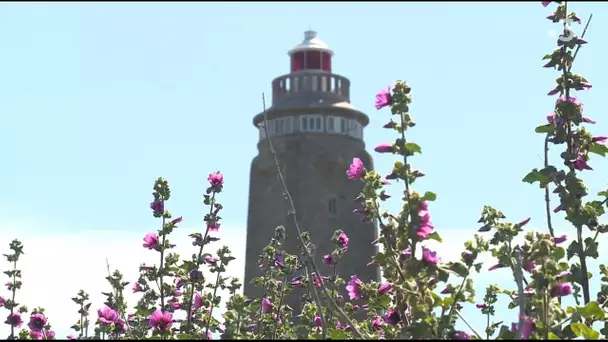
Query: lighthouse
point(316, 132)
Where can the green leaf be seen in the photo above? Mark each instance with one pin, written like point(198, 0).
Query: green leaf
point(532, 176)
point(591, 310)
point(591, 248)
point(382, 302)
point(580, 329)
point(435, 236)
point(552, 336)
point(559, 253)
point(413, 148)
point(336, 334)
point(429, 196)
point(460, 269)
point(600, 149)
point(603, 193)
point(549, 128)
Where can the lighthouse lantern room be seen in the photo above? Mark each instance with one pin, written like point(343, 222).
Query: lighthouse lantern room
point(311, 54)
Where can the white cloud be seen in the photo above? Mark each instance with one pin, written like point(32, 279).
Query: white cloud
point(56, 266)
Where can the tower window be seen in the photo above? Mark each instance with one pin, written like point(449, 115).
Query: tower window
point(304, 123)
point(343, 127)
point(332, 206)
point(330, 124)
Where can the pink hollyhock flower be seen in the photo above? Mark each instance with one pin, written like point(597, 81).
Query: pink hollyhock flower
point(356, 169)
point(384, 148)
point(377, 323)
point(198, 301)
point(563, 99)
point(214, 227)
point(14, 320)
point(495, 267)
point(1, 302)
point(561, 290)
point(296, 282)
point(460, 335)
point(107, 316)
point(385, 288)
point(70, 337)
point(383, 98)
point(151, 241)
point(216, 180)
point(580, 164)
point(343, 240)
point(524, 222)
point(36, 335)
point(560, 239)
point(546, 3)
point(600, 139)
point(158, 207)
point(160, 321)
point(390, 124)
point(558, 208)
point(317, 321)
point(528, 266)
point(37, 322)
point(328, 259)
point(480, 306)
point(50, 334)
point(527, 330)
point(392, 317)
point(266, 305)
point(354, 287)
point(588, 120)
point(176, 220)
point(137, 288)
point(211, 260)
point(429, 256)
point(563, 275)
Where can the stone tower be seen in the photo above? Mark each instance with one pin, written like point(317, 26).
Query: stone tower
point(316, 132)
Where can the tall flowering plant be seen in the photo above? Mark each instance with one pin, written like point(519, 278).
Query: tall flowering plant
point(421, 296)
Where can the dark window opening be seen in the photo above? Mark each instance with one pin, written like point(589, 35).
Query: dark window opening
point(326, 64)
point(332, 206)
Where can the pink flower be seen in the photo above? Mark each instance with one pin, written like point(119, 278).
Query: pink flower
point(158, 207)
point(37, 322)
point(546, 3)
point(563, 275)
point(392, 317)
point(317, 321)
point(176, 220)
point(383, 98)
point(70, 337)
point(495, 267)
point(343, 240)
point(214, 227)
point(1, 302)
point(50, 334)
point(137, 288)
point(384, 148)
point(198, 301)
point(151, 241)
point(600, 139)
point(580, 164)
point(328, 259)
point(460, 335)
point(558, 208)
point(354, 287)
point(385, 288)
point(588, 120)
point(296, 282)
point(36, 335)
point(356, 169)
point(14, 320)
point(561, 290)
point(429, 256)
point(529, 266)
point(216, 180)
point(527, 330)
point(390, 124)
point(480, 306)
point(524, 222)
point(570, 99)
point(160, 321)
point(266, 305)
point(377, 323)
point(560, 239)
point(107, 316)
point(211, 260)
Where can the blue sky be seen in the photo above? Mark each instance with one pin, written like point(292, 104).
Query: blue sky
point(99, 99)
